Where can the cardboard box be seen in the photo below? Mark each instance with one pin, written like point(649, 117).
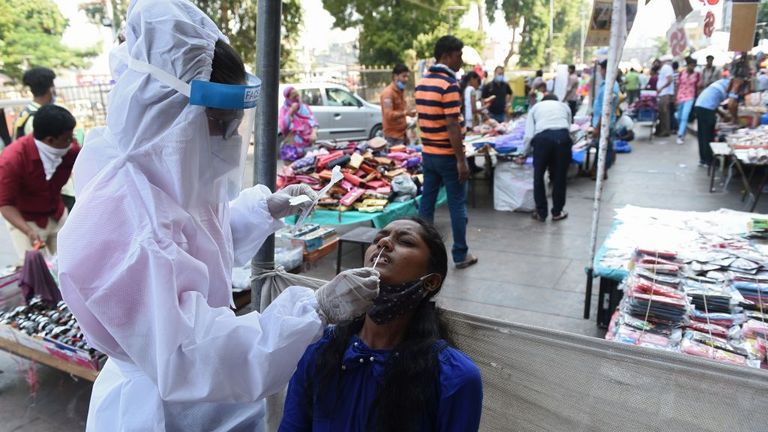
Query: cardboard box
point(318, 238)
point(71, 354)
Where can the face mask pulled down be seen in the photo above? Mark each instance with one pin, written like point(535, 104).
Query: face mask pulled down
point(396, 300)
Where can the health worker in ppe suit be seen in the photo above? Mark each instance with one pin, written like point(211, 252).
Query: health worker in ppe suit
point(146, 256)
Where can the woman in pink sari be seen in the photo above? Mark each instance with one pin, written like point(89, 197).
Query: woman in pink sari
point(297, 124)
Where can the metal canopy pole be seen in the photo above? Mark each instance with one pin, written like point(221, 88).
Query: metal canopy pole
point(265, 133)
point(618, 35)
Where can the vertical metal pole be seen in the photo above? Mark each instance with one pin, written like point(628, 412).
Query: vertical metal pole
point(618, 34)
point(265, 133)
point(551, 32)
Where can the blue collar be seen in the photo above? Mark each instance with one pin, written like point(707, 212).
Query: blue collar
point(441, 68)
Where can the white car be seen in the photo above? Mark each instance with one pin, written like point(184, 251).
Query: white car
point(341, 114)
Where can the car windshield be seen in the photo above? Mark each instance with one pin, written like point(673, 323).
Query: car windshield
point(311, 96)
point(339, 97)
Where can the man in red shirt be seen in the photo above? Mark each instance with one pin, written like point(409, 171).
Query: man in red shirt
point(32, 172)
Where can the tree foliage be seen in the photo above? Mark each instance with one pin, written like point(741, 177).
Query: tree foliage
point(235, 18)
point(390, 28)
point(424, 45)
point(534, 16)
point(30, 35)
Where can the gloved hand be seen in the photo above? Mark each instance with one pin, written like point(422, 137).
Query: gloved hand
point(279, 203)
point(348, 295)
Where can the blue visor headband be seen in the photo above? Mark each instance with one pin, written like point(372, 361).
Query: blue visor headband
point(225, 96)
point(204, 93)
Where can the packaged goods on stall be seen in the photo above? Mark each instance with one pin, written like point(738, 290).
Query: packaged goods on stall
point(718, 272)
point(308, 238)
point(368, 170)
point(758, 228)
point(697, 349)
point(52, 329)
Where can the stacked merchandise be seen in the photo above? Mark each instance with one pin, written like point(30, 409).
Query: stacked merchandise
point(709, 307)
point(645, 108)
point(504, 138)
point(52, 329)
point(654, 308)
point(749, 145)
point(309, 237)
point(374, 175)
point(758, 228)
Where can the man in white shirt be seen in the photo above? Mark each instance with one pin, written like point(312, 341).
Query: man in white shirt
point(547, 130)
point(665, 89)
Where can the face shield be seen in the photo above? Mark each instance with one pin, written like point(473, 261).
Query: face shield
point(229, 116)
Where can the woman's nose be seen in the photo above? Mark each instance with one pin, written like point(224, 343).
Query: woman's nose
point(385, 243)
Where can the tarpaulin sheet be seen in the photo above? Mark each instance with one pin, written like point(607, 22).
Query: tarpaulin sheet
point(392, 212)
point(544, 380)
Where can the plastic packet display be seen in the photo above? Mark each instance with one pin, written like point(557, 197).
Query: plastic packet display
point(646, 287)
point(697, 349)
point(716, 330)
point(754, 328)
point(722, 319)
point(630, 336)
point(715, 342)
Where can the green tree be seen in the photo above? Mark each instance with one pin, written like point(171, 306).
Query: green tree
point(534, 16)
point(30, 35)
point(662, 46)
point(235, 18)
point(425, 42)
point(389, 28)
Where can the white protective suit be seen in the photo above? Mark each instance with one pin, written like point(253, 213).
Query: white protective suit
point(145, 258)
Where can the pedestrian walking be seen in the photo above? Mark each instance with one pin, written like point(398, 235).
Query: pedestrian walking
point(687, 89)
point(665, 89)
point(572, 91)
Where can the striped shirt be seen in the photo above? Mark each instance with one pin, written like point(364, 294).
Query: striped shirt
point(437, 98)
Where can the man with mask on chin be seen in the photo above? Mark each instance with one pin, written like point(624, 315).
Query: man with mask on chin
point(393, 107)
point(501, 92)
point(32, 172)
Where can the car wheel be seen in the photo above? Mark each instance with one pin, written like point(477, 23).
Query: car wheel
point(377, 131)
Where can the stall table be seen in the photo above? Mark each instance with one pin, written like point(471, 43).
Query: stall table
point(392, 212)
point(17, 349)
point(677, 231)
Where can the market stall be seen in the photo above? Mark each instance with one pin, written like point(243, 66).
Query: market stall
point(686, 278)
point(48, 334)
point(745, 151)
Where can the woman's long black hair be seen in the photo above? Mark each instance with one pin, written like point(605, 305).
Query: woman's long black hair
point(469, 76)
point(408, 391)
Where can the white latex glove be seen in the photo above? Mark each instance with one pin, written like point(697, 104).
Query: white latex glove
point(279, 203)
point(348, 295)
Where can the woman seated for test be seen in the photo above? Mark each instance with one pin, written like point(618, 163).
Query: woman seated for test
point(392, 369)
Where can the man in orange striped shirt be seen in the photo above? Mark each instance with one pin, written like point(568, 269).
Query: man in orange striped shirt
point(438, 104)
